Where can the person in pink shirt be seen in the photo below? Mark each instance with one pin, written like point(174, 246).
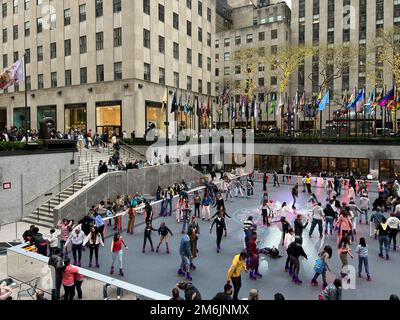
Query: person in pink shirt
point(68, 280)
point(344, 224)
point(65, 231)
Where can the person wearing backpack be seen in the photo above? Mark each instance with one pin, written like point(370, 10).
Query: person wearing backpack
point(321, 266)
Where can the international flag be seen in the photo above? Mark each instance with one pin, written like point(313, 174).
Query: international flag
point(174, 105)
point(351, 100)
point(185, 105)
point(387, 98)
point(376, 102)
point(356, 100)
point(12, 75)
point(280, 105)
point(273, 103)
point(197, 106)
point(360, 101)
point(324, 102)
point(368, 104)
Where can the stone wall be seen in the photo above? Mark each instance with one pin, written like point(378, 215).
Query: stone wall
point(112, 184)
point(31, 175)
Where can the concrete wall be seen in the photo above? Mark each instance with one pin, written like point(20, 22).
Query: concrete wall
point(31, 175)
point(112, 184)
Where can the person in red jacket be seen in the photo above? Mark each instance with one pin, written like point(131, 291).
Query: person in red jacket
point(254, 257)
point(68, 280)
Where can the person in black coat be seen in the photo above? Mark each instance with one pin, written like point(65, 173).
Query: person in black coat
point(191, 292)
point(57, 267)
point(226, 295)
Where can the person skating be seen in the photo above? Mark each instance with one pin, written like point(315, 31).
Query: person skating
point(289, 239)
point(254, 257)
point(299, 226)
point(185, 252)
point(219, 203)
point(344, 250)
point(295, 251)
point(394, 224)
point(382, 231)
point(131, 212)
point(295, 194)
point(235, 271)
point(265, 208)
point(186, 213)
point(206, 204)
point(364, 207)
point(308, 184)
point(94, 240)
point(117, 252)
point(285, 228)
point(77, 238)
point(265, 181)
point(318, 218)
point(330, 217)
point(321, 266)
point(333, 291)
point(197, 203)
point(163, 231)
point(147, 236)
point(219, 221)
point(362, 251)
point(276, 179)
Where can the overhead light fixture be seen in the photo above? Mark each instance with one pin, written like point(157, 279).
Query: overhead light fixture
point(126, 86)
point(59, 93)
point(32, 95)
point(90, 89)
point(140, 86)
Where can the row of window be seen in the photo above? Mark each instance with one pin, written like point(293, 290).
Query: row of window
point(249, 38)
point(117, 7)
point(161, 11)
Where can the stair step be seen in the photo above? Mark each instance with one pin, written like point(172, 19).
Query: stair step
point(44, 213)
point(39, 223)
point(41, 218)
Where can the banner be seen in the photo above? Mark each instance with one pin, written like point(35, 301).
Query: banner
point(12, 75)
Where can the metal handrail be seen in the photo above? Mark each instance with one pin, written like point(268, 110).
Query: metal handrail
point(49, 190)
point(125, 145)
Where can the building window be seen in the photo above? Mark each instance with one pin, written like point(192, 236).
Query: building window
point(189, 83)
point(176, 50)
point(175, 21)
point(15, 32)
point(261, 36)
point(54, 79)
point(82, 44)
point(227, 56)
point(161, 76)
point(53, 50)
point(5, 60)
point(227, 71)
point(28, 56)
point(161, 13)
point(82, 12)
point(200, 86)
point(16, 56)
point(146, 7)
point(147, 72)
point(249, 38)
point(200, 8)
point(189, 56)
point(209, 88)
point(39, 25)
point(227, 42)
point(40, 81)
point(100, 73)
point(67, 47)
point(238, 40)
point(27, 27)
point(200, 34)
point(117, 6)
point(208, 39)
point(4, 9)
point(67, 17)
point(161, 44)
point(83, 75)
point(117, 37)
point(176, 79)
point(274, 34)
point(99, 41)
point(208, 14)
point(53, 21)
point(217, 72)
point(189, 28)
point(28, 83)
point(68, 78)
point(274, 81)
point(15, 6)
point(40, 53)
point(118, 71)
point(189, 4)
point(200, 60)
point(27, 4)
point(146, 38)
point(99, 8)
point(208, 64)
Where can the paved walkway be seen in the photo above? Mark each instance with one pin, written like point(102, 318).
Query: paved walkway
point(158, 271)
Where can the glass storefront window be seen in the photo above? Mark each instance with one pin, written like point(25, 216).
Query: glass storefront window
point(19, 117)
point(75, 117)
point(108, 118)
point(46, 111)
point(3, 118)
point(155, 115)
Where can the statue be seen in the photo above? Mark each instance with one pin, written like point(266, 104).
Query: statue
point(47, 128)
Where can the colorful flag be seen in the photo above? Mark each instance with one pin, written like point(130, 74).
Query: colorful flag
point(352, 99)
point(356, 100)
point(387, 98)
point(174, 104)
point(208, 111)
point(360, 101)
point(280, 105)
point(324, 102)
point(273, 103)
point(368, 104)
point(12, 75)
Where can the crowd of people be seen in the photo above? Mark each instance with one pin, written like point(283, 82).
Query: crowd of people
point(342, 218)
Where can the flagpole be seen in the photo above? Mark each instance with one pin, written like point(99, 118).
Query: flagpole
point(166, 119)
point(26, 102)
point(384, 116)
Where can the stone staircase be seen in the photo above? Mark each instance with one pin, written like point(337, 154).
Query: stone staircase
point(88, 162)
